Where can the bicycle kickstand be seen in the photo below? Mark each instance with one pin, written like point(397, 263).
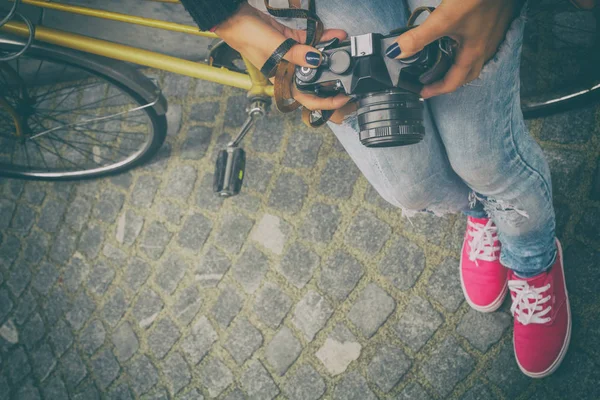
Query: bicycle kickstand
point(231, 163)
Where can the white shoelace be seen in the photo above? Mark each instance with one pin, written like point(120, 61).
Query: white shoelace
point(482, 242)
point(529, 305)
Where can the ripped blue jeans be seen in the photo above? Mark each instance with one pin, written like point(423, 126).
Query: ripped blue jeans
point(477, 156)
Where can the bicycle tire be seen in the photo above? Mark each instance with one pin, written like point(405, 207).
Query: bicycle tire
point(132, 82)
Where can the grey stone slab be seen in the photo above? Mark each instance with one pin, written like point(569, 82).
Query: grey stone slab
point(6, 304)
point(12, 188)
point(147, 308)
point(158, 394)
point(43, 361)
point(311, 314)
point(581, 126)
point(61, 338)
point(371, 309)
point(144, 191)
point(34, 193)
point(194, 233)
point(9, 251)
point(478, 392)
point(272, 305)
point(125, 341)
point(91, 241)
point(23, 219)
point(92, 337)
point(106, 369)
point(505, 373)
point(413, 391)
point(36, 248)
point(45, 278)
point(303, 149)
point(215, 376)
point(196, 142)
point(171, 272)
point(115, 307)
point(142, 375)
point(18, 280)
point(64, 246)
point(339, 275)
point(187, 304)
point(283, 350)
point(181, 182)
point(268, 134)
point(198, 342)
point(387, 367)
point(250, 269)
point(444, 285)
point(258, 174)
point(236, 111)
point(447, 365)
point(589, 224)
point(57, 303)
point(108, 206)
point(403, 263)
point(243, 340)
point(289, 193)
point(156, 238)
point(353, 386)
point(298, 264)
point(567, 168)
point(204, 112)
point(74, 273)
point(482, 330)
point(193, 394)
point(100, 277)
point(27, 391)
point(257, 382)
point(32, 331)
point(212, 267)
point(228, 305)
point(305, 384)
point(170, 211)
point(372, 197)
point(177, 86)
point(7, 208)
point(233, 232)
point(89, 392)
point(246, 202)
point(206, 198)
point(114, 254)
point(73, 368)
point(20, 367)
point(51, 215)
point(163, 337)
point(123, 180)
point(418, 323)
point(338, 178)
point(206, 88)
point(177, 372)
point(339, 350)
point(235, 394)
point(82, 309)
point(271, 232)
point(158, 164)
point(367, 233)
point(431, 227)
point(129, 226)
point(137, 272)
point(78, 212)
point(26, 305)
point(120, 392)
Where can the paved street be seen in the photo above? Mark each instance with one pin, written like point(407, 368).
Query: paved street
point(306, 286)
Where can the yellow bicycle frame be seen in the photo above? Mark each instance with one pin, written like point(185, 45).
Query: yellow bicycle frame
point(254, 82)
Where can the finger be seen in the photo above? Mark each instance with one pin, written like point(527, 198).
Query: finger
point(308, 56)
point(313, 102)
point(414, 40)
point(339, 115)
point(455, 78)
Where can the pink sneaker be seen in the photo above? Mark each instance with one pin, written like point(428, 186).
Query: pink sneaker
point(542, 327)
point(482, 277)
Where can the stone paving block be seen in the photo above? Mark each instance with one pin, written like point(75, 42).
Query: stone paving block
point(577, 378)
point(205, 197)
point(82, 309)
point(115, 255)
point(106, 369)
point(91, 241)
point(204, 112)
point(120, 392)
point(267, 136)
point(45, 278)
point(413, 391)
point(339, 275)
point(92, 337)
point(283, 350)
point(177, 372)
point(158, 164)
point(176, 85)
point(11, 188)
point(567, 169)
point(298, 265)
point(447, 365)
point(23, 219)
point(589, 224)
point(196, 143)
point(215, 376)
point(478, 392)
point(199, 341)
point(144, 191)
point(7, 208)
point(271, 232)
point(36, 248)
point(581, 125)
point(129, 226)
point(272, 305)
point(194, 233)
point(444, 285)
point(6, 304)
point(338, 178)
point(89, 392)
point(137, 272)
point(305, 384)
point(235, 394)
point(147, 308)
point(258, 174)
point(233, 232)
point(73, 369)
point(155, 240)
point(124, 179)
point(9, 251)
point(34, 193)
point(227, 306)
point(257, 382)
point(250, 269)
point(142, 375)
point(170, 273)
point(311, 314)
point(51, 214)
point(169, 211)
point(193, 394)
point(371, 309)
point(181, 182)
point(187, 304)
point(125, 341)
point(339, 350)
point(236, 111)
point(27, 391)
point(505, 373)
point(373, 197)
point(64, 246)
point(403, 263)
point(18, 280)
point(100, 278)
point(482, 330)
point(115, 307)
point(108, 206)
point(74, 273)
point(367, 233)
point(432, 227)
point(159, 394)
point(302, 150)
point(20, 367)
point(61, 338)
point(243, 340)
point(26, 305)
point(353, 387)
point(212, 267)
point(206, 88)
point(163, 337)
point(78, 212)
point(32, 331)
point(387, 367)
point(288, 194)
point(54, 388)
point(57, 303)
point(418, 323)
point(43, 361)
point(4, 388)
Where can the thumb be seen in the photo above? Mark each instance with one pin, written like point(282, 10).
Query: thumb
point(414, 40)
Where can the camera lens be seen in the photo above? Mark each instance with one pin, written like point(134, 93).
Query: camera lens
point(390, 118)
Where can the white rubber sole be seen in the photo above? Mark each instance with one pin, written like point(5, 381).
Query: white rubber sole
point(550, 370)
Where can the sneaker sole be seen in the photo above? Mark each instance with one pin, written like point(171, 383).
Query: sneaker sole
point(567, 341)
point(484, 309)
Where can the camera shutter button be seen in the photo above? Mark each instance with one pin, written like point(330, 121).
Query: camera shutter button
point(339, 62)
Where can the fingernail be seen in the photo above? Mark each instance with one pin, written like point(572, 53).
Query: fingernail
point(393, 51)
point(313, 58)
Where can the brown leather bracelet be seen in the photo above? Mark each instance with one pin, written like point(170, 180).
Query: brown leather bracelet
point(270, 66)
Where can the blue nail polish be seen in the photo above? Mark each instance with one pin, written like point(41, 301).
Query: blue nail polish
point(393, 51)
point(313, 58)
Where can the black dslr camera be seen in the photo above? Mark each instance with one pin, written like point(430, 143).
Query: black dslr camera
point(390, 112)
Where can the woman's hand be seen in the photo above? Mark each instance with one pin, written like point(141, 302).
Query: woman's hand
point(256, 35)
point(478, 26)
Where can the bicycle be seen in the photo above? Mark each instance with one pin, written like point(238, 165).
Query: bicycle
point(55, 129)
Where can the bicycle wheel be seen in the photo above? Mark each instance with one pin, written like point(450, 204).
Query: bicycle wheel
point(67, 115)
point(561, 57)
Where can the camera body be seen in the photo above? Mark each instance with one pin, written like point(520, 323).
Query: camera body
point(390, 112)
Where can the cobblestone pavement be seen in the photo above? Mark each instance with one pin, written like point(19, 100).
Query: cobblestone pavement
point(306, 286)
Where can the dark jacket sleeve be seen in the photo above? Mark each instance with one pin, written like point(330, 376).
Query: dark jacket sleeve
point(209, 13)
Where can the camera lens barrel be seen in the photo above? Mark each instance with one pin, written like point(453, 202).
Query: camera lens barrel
point(390, 118)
